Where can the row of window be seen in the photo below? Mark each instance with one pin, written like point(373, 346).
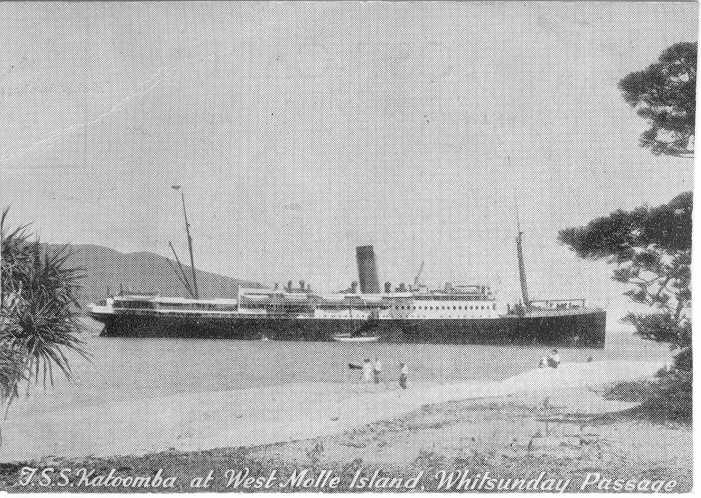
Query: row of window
point(449, 297)
point(174, 306)
point(482, 307)
point(286, 308)
point(198, 306)
point(359, 306)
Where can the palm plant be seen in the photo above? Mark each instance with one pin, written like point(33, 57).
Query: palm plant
point(38, 311)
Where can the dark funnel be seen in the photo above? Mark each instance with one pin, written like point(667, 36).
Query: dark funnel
point(367, 270)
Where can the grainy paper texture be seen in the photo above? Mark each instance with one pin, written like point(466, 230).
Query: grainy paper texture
point(365, 246)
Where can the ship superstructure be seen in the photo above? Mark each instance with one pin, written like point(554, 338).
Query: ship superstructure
point(452, 302)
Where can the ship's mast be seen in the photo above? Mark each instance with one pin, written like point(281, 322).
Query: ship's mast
point(196, 293)
point(521, 262)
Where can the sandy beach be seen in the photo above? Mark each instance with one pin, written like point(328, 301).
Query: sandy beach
point(283, 413)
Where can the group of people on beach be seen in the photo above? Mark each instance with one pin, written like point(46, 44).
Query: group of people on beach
point(372, 372)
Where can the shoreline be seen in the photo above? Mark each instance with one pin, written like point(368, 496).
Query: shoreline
point(259, 416)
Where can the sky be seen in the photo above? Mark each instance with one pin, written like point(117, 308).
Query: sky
point(300, 130)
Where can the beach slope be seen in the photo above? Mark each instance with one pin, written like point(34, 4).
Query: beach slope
point(257, 416)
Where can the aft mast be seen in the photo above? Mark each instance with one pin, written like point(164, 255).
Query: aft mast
point(522, 268)
point(521, 262)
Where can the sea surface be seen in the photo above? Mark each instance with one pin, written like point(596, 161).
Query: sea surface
point(129, 368)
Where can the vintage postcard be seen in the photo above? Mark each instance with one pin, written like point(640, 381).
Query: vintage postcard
point(346, 247)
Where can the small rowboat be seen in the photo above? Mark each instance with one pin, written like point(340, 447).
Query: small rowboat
point(358, 338)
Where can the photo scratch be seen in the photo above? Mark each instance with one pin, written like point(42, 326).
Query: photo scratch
point(51, 138)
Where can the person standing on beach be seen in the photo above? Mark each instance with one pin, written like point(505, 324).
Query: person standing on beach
point(367, 370)
point(403, 374)
point(377, 370)
point(554, 359)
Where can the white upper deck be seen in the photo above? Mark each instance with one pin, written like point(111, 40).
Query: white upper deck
point(453, 301)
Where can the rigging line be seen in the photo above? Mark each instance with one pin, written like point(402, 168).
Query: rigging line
point(144, 88)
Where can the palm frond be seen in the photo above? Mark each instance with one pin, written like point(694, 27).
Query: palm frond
point(38, 321)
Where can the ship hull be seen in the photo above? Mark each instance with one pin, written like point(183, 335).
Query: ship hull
point(582, 329)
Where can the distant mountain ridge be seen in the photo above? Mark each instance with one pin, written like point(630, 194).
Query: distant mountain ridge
point(107, 270)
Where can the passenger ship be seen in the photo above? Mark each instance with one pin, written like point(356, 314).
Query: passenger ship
point(455, 313)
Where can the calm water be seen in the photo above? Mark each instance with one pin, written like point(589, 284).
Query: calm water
point(124, 368)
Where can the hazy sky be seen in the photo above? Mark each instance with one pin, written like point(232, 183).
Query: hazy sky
point(302, 130)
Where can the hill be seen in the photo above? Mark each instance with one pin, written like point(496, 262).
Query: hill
point(106, 270)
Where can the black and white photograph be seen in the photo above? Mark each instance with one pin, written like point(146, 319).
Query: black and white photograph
point(357, 246)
